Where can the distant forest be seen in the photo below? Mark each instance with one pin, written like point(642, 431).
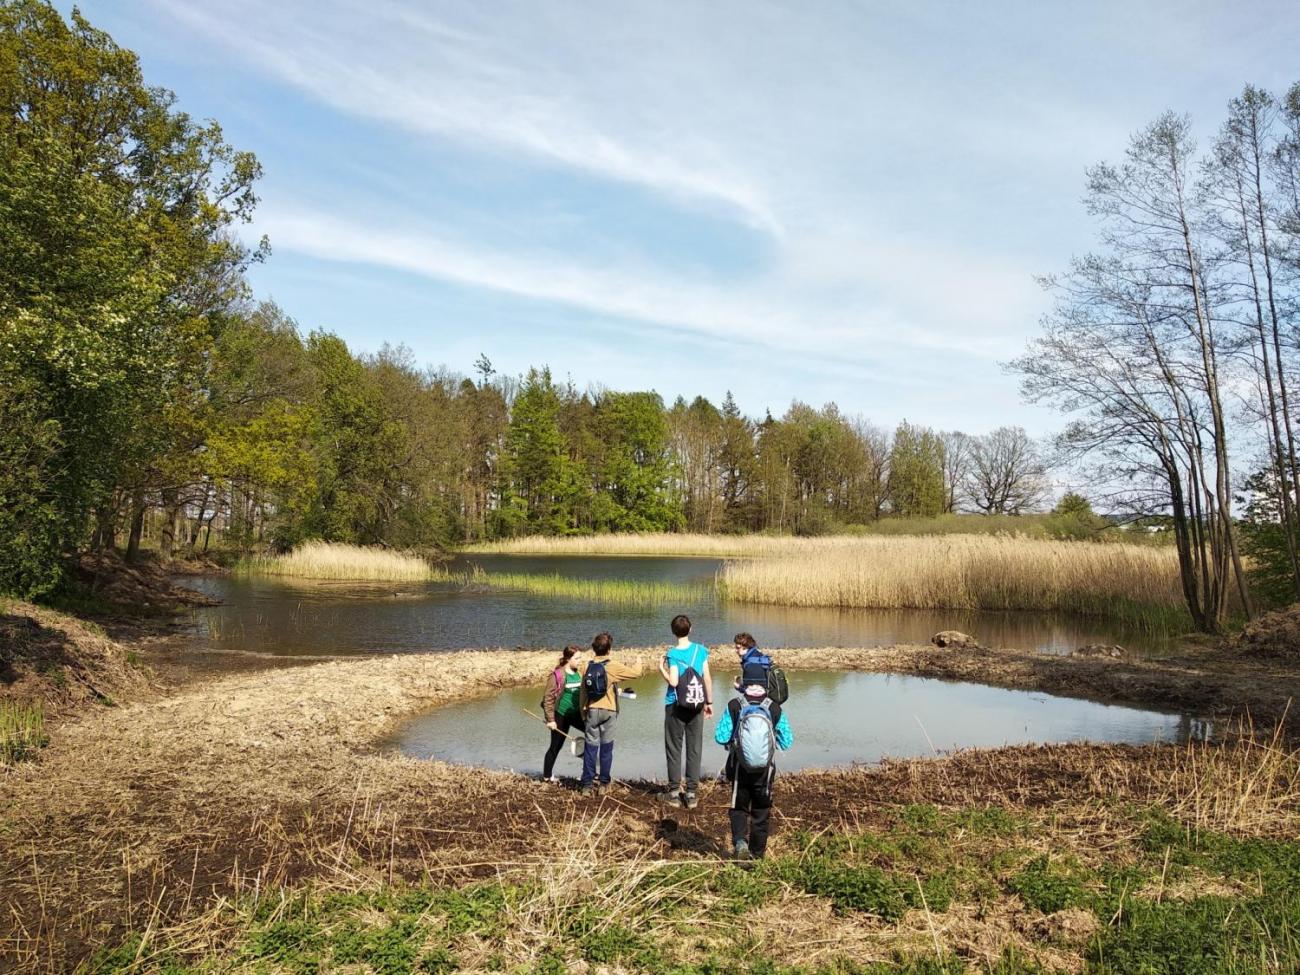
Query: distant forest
point(302, 439)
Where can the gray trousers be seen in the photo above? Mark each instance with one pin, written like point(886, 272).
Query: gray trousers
point(683, 724)
point(598, 746)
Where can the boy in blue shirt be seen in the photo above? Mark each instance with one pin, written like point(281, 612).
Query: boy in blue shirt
point(751, 795)
point(684, 716)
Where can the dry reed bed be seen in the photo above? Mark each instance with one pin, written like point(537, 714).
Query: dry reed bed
point(332, 560)
point(960, 572)
point(149, 814)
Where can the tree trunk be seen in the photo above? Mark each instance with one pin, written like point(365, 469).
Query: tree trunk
point(171, 510)
point(137, 527)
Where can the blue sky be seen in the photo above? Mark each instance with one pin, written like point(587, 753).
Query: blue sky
point(822, 201)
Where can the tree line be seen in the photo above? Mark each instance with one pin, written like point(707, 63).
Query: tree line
point(1173, 347)
point(300, 438)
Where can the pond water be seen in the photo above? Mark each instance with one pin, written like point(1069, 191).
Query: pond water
point(838, 718)
point(304, 618)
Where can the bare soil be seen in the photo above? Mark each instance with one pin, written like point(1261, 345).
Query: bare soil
point(147, 812)
point(1273, 636)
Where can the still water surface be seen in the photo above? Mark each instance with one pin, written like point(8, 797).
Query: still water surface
point(300, 617)
point(837, 718)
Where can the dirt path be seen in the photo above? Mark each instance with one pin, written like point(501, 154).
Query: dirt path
point(147, 811)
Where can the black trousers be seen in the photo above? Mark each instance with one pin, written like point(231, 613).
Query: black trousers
point(751, 805)
point(558, 739)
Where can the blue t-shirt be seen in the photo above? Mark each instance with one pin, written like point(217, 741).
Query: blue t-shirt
point(694, 655)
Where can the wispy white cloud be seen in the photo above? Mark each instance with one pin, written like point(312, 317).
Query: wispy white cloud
point(388, 62)
point(767, 314)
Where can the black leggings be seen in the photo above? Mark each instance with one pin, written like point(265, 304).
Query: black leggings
point(558, 738)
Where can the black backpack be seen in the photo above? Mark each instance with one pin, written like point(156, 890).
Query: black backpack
point(759, 669)
point(594, 682)
point(778, 688)
point(690, 688)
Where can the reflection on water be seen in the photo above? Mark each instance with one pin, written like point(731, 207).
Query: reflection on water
point(296, 617)
point(837, 718)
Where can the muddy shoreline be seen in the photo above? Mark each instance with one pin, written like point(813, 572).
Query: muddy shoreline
point(268, 778)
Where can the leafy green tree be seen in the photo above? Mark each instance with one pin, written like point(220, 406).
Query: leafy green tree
point(1073, 517)
point(114, 252)
point(30, 517)
point(1264, 539)
point(538, 472)
point(634, 491)
point(739, 467)
point(916, 476)
point(359, 448)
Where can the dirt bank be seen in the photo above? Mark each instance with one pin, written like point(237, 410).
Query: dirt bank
point(64, 662)
point(143, 813)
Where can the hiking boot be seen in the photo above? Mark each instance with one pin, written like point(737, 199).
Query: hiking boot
point(740, 851)
point(671, 798)
point(587, 791)
point(690, 800)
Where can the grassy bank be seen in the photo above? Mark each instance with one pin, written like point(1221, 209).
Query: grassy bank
point(1182, 885)
point(53, 664)
point(1136, 583)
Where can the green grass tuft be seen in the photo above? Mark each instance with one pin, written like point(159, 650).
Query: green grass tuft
point(22, 731)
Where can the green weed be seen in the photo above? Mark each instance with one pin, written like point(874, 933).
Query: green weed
point(616, 591)
point(22, 731)
point(1049, 886)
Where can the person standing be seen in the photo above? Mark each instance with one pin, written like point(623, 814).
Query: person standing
point(752, 727)
point(598, 698)
point(687, 702)
point(754, 664)
point(561, 706)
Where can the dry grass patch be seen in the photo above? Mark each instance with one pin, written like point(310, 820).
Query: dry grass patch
point(331, 560)
point(962, 572)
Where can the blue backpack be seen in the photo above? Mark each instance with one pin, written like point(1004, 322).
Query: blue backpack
point(595, 682)
point(754, 739)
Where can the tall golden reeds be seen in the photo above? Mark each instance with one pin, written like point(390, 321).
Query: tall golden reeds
point(965, 572)
point(330, 560)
